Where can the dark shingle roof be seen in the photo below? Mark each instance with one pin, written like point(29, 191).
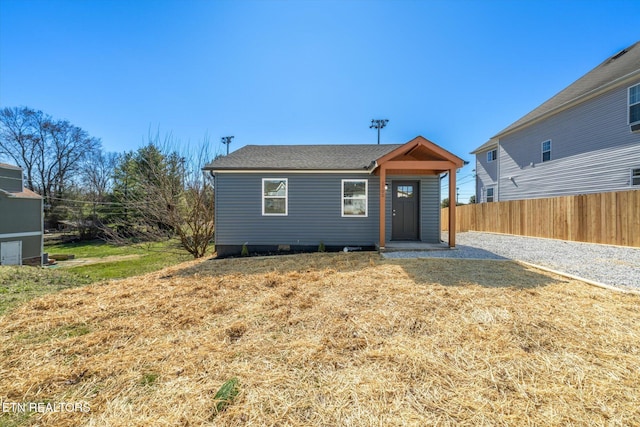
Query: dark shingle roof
point(303, 157)
point(623, 64)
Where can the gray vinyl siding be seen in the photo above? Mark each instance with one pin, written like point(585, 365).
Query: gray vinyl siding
point(20, 215)
point(11, 180)
point(314, 211)
point(592, 151)
point(429, 207)
point(486, 175)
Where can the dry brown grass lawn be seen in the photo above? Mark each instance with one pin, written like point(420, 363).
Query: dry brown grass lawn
point(328, 340)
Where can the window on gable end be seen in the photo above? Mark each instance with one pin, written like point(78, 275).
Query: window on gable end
point(492, 155)
point(546, 151)
point(634, 107)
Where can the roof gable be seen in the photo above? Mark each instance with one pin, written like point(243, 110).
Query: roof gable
point(613, 71)
point(420, 149)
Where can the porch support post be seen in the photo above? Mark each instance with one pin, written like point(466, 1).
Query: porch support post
point(452, 207)
point(383, 178)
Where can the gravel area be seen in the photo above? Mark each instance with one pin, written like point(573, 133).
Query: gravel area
point(611, 265)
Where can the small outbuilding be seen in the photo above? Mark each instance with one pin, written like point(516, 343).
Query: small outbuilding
point(21, 221)
point(299, 197)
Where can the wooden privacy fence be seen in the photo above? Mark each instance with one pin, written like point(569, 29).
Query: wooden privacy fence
point(611, 218)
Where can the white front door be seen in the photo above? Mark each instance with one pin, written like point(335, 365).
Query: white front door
point(11, 253)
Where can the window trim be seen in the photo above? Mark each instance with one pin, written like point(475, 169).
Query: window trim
point(493, 194)
point(629, 105)
point(490, 158)
point(543, 151)
point(285, 197)
point(366, 198)
point(631, 176)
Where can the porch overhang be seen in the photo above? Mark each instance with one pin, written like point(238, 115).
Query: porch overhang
point(418, 157)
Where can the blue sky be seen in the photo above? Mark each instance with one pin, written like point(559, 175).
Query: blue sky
point(302, 71)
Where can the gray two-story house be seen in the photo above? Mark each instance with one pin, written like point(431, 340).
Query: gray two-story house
point(21, 222)
point(300, 197)
point(585, 139)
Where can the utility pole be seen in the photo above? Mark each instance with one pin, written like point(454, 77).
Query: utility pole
point(378, 124)
point(226, 140)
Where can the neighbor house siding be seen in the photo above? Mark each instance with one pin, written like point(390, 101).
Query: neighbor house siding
point(314, 211)
point(592, 151)
point(11, 180)
point(429, 207)
point(20, 215)
point(486, 174)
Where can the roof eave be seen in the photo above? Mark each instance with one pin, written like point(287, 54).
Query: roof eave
point(573, 102)
point(285, 170)
point(489, 145)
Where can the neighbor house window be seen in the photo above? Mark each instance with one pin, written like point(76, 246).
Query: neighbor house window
point(274, 196)
point(354, 197)
point(634, 105)
point(490, 194)
point(492, 155)
point(635, 176)
point(546, 151)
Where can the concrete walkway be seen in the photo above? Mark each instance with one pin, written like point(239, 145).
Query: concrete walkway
point(610, 265)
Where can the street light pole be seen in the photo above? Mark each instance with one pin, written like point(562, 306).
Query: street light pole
point(378, 124)
point(226, 140)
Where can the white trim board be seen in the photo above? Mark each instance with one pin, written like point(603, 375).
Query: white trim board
point(25, 234)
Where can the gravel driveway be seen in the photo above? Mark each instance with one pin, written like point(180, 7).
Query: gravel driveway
point(611, 265)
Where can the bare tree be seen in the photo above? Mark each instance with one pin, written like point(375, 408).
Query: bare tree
point(19, 140)
point(50, 151)
point(165, 194)
point(67, 147)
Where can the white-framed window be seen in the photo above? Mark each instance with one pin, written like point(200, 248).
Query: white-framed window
point(355, 197)
point(546, 151)
point(490, 197)
point(635, 176)
point(275, 195)
point(634, 105)
point(492, 155)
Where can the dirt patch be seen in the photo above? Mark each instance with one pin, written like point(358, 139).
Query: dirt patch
point(330, 339)
point(86, 261)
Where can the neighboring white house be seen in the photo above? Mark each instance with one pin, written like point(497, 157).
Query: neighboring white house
point(585, 139)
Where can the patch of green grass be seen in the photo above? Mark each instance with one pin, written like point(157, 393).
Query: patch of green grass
point(100, 248)
point(15, 419)
point(152, 257)
point(63, 332)
point(147, 263)
point(149, 378)
point(20, 284)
